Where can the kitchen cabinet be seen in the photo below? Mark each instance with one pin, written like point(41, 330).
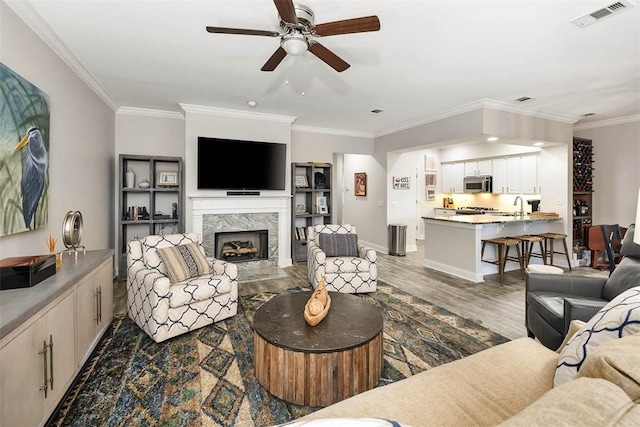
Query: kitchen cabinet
point(515, 175)
point(162, 199)
point(499, 167)
point(453, 178)
point(38, 366)
point(478, 168)
point(529, 174)
point(445, 211)
point(311, 203)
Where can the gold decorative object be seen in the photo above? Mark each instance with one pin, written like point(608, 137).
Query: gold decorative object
point(318, 305)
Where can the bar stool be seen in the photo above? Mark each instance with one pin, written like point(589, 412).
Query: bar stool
point(503, 244)
point(527, 241)
point(549, 238)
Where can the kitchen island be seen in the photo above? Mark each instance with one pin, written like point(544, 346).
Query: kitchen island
point(453, 242)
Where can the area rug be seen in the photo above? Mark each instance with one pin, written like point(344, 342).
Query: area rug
point(206, 377)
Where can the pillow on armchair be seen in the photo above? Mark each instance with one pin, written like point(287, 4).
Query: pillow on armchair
point(336, 245)
point(184, 262)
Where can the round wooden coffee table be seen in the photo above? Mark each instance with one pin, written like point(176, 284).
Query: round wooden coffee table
point(323, 364)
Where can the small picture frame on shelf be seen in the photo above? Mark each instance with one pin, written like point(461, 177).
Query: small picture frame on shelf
point(301, 181)
point(167, 179)
point(323, 209)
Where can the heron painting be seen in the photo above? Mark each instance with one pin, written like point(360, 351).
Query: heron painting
point(24, 154)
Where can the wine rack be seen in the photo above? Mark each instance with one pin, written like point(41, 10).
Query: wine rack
point(582, 191)
point(582, 165)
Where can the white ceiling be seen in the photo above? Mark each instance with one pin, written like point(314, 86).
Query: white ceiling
point(429, 57)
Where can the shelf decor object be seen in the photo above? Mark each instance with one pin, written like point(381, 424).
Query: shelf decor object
point(167, 179)
point(301, 181)
point(72, 231)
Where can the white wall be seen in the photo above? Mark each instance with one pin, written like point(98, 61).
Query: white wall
point(367, 213)
point(203, 121)
point(81, 158)
point(617, 171)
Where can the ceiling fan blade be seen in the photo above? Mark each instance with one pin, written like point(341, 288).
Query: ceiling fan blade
point(224, 30)
point(330, 58)
point(348, 26)
point(287, 11)
point(275, 60)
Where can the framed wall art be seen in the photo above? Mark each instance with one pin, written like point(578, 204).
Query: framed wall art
point(24, 154)
point(430, 179)
point(360, 183)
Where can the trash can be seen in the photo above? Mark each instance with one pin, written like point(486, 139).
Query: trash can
point(397, 239)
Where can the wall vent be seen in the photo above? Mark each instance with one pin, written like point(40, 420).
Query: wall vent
point(596, 15)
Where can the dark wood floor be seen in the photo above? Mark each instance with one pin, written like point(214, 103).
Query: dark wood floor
point(499, 307)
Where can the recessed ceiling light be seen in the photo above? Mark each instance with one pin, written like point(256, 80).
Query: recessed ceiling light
point(538, 144)
point(492, 139)
point(252, 103)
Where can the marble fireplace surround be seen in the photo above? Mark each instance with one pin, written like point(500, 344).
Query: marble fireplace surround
point(240, 213)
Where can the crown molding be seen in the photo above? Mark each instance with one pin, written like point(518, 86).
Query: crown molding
point(608, 122)
point(224, 112)
point(519, 109)
point(34, 21)
point(329, 131)
point(163, 114)
point(476, 105)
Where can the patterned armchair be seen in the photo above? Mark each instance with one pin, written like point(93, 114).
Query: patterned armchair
point(173, 288)
point(333, 253)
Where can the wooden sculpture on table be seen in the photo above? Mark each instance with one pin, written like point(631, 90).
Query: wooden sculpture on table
point(318, 305)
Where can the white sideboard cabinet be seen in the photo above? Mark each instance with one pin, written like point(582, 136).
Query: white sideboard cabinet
point(48, 331)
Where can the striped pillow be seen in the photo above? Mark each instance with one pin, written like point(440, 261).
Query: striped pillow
point(338, 244)
point(184, 262)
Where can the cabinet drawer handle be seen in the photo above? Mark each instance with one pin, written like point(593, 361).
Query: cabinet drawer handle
point(99, 305)
point(44, 364)
point(51, 360)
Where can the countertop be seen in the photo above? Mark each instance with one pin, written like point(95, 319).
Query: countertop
point(487, 219)
point(18, 305)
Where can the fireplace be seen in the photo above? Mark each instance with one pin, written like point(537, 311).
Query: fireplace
point(213, 215)
point(242, 246)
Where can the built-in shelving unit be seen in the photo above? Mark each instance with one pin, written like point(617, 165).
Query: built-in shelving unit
point(310, 203)
point(156, 209)
point(582, 191)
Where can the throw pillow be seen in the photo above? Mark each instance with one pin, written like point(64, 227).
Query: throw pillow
point(184, 262)
point(616, 361)
point(338, 244)
point(620, 317)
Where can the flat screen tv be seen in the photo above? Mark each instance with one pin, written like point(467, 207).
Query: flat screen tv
point(232, 164)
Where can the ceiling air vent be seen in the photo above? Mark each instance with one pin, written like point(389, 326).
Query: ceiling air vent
point(377, 110)
point(596, 15)
point(523, 99)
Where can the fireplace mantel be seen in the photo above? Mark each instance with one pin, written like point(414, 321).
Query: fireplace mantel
point(245, 205)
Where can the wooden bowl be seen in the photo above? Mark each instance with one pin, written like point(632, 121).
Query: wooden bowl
point(314, 320)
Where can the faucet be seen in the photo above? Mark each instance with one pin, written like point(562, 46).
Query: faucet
point(515, 202)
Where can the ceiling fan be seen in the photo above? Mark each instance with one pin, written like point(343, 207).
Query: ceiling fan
point(299, 32)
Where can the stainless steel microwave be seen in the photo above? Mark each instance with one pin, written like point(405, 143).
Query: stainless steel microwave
point(478, 184)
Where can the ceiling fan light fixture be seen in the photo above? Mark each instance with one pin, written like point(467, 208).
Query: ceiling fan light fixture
point(294, 44)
